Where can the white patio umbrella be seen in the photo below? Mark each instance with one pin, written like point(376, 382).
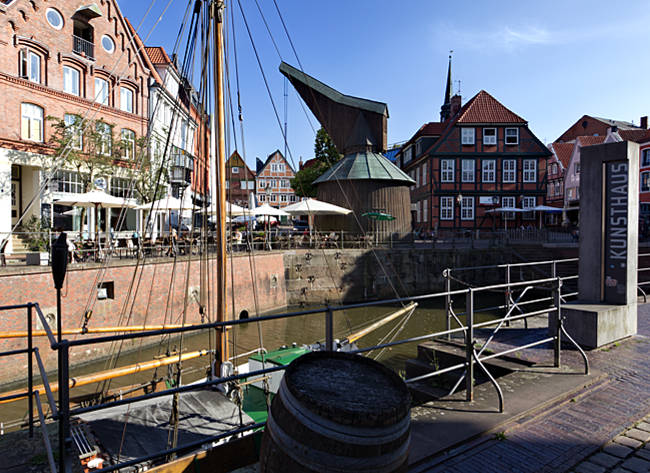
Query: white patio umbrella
point(315, 207)
point(545, 208)
point(95, 199)
point(231, 209)
point(267, 210)
point(167, 204)
point(505, 209)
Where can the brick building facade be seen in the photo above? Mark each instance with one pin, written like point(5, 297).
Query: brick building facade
point(64, 59)
point(274, 181)
point(240, 180)
point(479, 157)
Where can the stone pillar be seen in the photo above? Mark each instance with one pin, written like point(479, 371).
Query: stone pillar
point(606, 309)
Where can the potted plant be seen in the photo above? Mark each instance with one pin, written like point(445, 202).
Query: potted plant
point(37, 243)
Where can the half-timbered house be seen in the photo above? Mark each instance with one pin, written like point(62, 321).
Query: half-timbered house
point(481, 156)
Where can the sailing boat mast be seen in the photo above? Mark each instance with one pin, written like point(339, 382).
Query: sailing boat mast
point(220, 168)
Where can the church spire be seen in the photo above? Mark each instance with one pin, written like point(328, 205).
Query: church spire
point(446, 106)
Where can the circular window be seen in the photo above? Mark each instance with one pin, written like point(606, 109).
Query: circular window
point(108, 44)
point(54, 18)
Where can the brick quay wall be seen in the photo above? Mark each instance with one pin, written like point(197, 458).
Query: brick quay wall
point(150, 294)
point(154, 294)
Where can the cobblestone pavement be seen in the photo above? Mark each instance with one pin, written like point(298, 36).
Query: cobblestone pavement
point(606, 421)
point(627, 452)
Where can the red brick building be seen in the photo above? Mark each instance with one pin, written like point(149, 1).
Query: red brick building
point(480, 156)
point(240, 180)
point(588, 125)
point(62, 59)
point(274, 181)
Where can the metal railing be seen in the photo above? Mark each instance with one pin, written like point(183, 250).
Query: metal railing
point(472, 356)
point(84, 47)
point(33, 396)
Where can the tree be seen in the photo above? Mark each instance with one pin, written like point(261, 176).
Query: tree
point(325, 156)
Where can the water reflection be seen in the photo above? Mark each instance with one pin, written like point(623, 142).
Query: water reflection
point(429, 317)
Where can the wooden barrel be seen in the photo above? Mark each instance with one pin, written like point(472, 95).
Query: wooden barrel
point(337, 412)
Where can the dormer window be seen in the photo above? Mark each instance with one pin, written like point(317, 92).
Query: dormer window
point(512, 136)
point(83, 39)
point(489, 136)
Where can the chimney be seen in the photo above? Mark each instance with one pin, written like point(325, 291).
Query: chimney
point(455, 105)
point(300, 163)
point(644, 122)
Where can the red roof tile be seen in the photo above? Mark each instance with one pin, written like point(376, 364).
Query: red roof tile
point(431, 128)
point(638, 136)
point(483, 108)
point(563, 151)
point(158, 55)
point(591, 140)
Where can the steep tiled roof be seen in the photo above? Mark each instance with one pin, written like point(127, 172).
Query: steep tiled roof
point(158, 55)
point(591, 140)
point(563, 152)
point(483, 108)
point(638, 136)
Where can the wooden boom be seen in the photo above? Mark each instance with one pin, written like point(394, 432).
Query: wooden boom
point(114, 373)
point(80, 331)
point(361, 333)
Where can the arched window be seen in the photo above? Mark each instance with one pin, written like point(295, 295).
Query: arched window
point(29, 65)
point(126, 100)
point(31, 122)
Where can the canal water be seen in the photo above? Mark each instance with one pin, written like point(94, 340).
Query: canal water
point(429, 317)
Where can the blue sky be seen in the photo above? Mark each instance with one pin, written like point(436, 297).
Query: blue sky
point(550, 62)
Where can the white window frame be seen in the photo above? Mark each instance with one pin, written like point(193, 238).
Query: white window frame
point(530, 170)
point(106, 138)
point(408, 154)
point(261, 183)
point(235, 169)
point(446, 208)
point(489, 140)
point(645, 160)
point(74, 130)
point(31, 122)
point(489, 170)
point(128, 137)
point(30, 65)
point(467, 208)
point(127, 100)
point(71, 80)
point(101, 91)
point(69, 181)
point(528, 203)
point(509, 173)
point(281, 168)
point(424, 174)
point(509, 201)
point(121, 187)
point(261, 197)
point(283, 198)
point(425, 210)
point(509, 136)
point(274, 167)
point(469, 170)
point(645, 178)
point(274, 197)
point(447, 170)
point(468, 136)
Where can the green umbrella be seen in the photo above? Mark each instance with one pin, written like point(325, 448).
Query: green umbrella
point(378, 216)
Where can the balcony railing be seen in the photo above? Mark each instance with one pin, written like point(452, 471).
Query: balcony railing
point(84, 47)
